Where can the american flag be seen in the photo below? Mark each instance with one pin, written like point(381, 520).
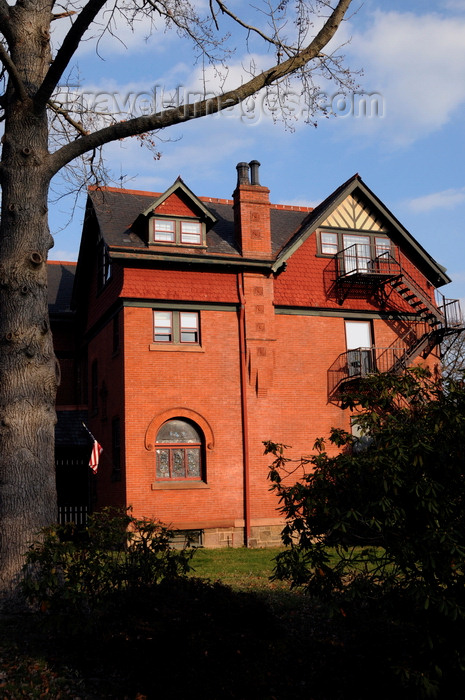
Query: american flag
point(95, 456)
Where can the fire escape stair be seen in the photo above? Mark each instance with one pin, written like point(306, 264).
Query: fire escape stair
point(417, 299)
point(435, 320)
point(419, 302)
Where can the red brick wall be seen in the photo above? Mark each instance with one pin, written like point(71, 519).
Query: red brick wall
point(288, 357)
point(252, 217)
point(206, 382)
point(100, 300)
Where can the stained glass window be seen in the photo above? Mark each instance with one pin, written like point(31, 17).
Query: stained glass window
point(181, 454)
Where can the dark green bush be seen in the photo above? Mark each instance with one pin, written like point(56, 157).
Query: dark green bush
point(382, 521)
point(84, 574)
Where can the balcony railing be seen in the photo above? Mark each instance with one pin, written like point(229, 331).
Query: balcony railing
point(451, 310)
point(361, 362)
point(357, 260)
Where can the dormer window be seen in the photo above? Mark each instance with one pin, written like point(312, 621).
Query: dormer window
point(164, 230)
point(180, 231)
point(191, 232)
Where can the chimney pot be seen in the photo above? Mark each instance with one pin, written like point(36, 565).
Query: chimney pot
point(254, 176)
point(242, 174)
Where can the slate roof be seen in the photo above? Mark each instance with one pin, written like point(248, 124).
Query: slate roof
point(60, 285)
point(117, 213)
point(433, 270)
point(117, 210)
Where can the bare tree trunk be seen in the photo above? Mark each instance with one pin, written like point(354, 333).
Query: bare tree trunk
point(28, 368)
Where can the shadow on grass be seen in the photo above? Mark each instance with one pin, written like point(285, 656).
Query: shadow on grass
point(191, 638)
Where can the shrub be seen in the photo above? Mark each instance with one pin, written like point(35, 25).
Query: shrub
point(384, 519)
point(84, 574)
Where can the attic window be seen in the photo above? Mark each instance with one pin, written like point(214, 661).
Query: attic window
point(191, 232)
point(164, 230)
point(178, 231)
point(367, 246)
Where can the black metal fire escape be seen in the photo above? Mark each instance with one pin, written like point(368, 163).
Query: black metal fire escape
point(431, 323)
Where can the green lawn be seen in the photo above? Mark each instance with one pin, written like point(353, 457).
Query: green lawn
point(241, 568)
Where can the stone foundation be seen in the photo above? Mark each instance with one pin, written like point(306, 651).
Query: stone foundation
point(262, 534)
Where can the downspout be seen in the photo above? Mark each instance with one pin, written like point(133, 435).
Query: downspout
point(245, 418)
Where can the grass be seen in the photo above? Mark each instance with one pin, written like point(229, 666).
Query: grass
point(242, 569)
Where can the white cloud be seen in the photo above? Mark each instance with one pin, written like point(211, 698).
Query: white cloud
point(455, 5)
point(417, 62)
point(446, 199)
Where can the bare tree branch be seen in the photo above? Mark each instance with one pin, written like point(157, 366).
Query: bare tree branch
point(250, 28)
point(55, 107)
point(61, 15)
point(162, 120)
point(4, 17)
point(66, 51)
point(13, 73)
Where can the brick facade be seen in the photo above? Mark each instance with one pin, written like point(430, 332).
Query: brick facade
point(272, 308)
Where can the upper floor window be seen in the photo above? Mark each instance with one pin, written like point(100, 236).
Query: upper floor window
point(329, 243)
point(185, 232)
point(176, 327)
point(103, 265)
point(367, 247)
point(179, 450)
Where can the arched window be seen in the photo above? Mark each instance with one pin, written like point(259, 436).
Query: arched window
point(179, 451)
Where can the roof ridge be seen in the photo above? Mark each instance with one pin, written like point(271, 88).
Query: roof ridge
point(62, 262)
point(206, 199)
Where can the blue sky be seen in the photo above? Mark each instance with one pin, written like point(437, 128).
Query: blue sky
point(411, 154)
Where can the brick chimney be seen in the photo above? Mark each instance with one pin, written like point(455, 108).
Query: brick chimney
point(252, 212)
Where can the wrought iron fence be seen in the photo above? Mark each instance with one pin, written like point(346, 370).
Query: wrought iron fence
point(73, 514)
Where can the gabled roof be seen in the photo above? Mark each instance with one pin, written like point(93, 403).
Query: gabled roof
point(60, 277)
point(435, 273)
point(117, 210)
point(118, 213)
point(179, 186)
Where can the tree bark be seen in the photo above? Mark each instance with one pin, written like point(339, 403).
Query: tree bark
point(28, 368)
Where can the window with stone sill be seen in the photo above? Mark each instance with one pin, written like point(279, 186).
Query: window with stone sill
point(188, 232)
point(179, 451)
point(176, 327)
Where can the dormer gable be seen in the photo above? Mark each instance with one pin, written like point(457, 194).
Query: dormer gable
point(353, 210)
point(176, 218)
point(355, 214)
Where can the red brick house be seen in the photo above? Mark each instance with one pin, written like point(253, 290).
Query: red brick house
point(197, 328)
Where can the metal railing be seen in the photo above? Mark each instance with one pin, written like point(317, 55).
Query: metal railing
point(357, 259)
point(362, 362)
point(451, 310)
point(73, 514)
